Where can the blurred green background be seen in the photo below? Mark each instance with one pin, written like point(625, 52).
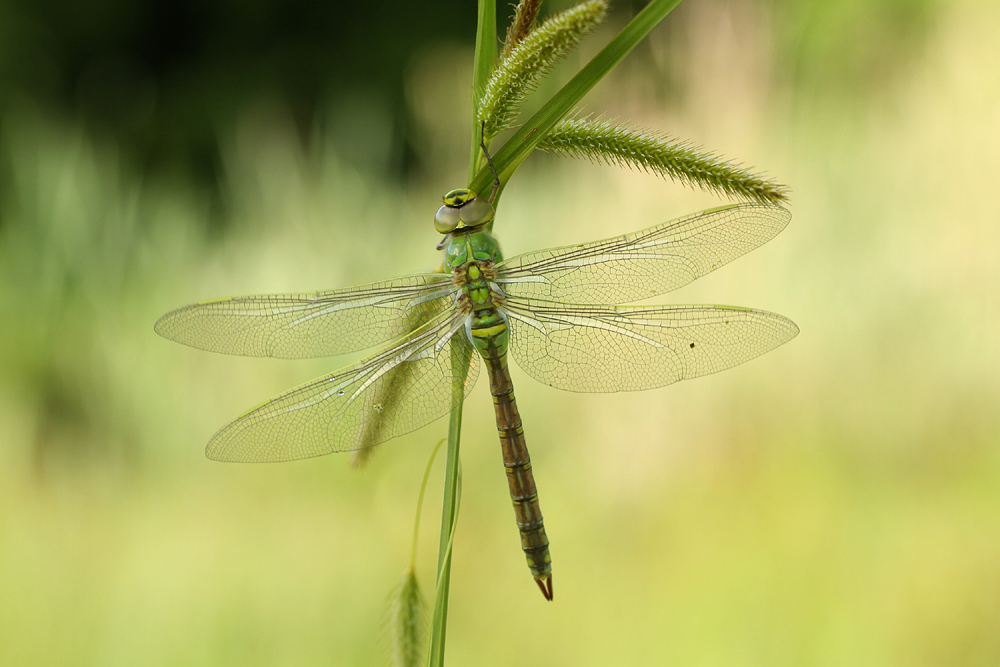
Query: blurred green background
point(834, 502)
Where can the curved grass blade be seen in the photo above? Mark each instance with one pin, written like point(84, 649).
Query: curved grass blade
point(406, 611)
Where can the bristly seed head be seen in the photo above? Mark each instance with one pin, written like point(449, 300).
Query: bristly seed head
point(517, 72)
point(624, 146)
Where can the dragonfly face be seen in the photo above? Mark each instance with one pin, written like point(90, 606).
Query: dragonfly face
point(462, 209)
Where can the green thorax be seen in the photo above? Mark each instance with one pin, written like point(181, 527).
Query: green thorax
point(473, 247)
point(471, 258)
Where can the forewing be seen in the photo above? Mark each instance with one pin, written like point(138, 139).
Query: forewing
point(393, 392)
point(314, 324)
point(628, 348)
point(642, 264)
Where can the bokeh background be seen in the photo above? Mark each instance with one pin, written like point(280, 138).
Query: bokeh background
point(834, 502)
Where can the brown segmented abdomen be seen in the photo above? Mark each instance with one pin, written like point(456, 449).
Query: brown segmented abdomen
point(520, 479)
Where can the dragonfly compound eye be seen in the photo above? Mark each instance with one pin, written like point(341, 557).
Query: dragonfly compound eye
point(446, 219)
point(476, 212)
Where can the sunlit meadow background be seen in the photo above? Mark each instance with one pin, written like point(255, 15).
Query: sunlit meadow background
point(835, 502)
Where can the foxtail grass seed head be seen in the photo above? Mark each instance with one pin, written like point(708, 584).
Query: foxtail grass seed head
point(624, 146)
point(361, 457)
point(516, 74)
point(406, 622)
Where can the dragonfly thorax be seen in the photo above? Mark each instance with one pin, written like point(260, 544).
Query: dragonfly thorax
point(472, 259)
point(481, 301)
point(471, 245)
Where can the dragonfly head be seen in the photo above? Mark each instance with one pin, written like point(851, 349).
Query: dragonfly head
point(462, 209)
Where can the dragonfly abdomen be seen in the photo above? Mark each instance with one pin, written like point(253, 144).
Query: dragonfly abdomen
point(520, 480)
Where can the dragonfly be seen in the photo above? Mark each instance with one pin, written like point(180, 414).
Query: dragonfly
point(557, 312)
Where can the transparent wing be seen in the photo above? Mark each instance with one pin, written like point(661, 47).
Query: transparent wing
point(393, 392)
point(630, 348)
point(315, 324)
point(642, 264)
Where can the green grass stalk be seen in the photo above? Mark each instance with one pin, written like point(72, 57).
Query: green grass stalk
point(449, 520)
point(486, 54)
